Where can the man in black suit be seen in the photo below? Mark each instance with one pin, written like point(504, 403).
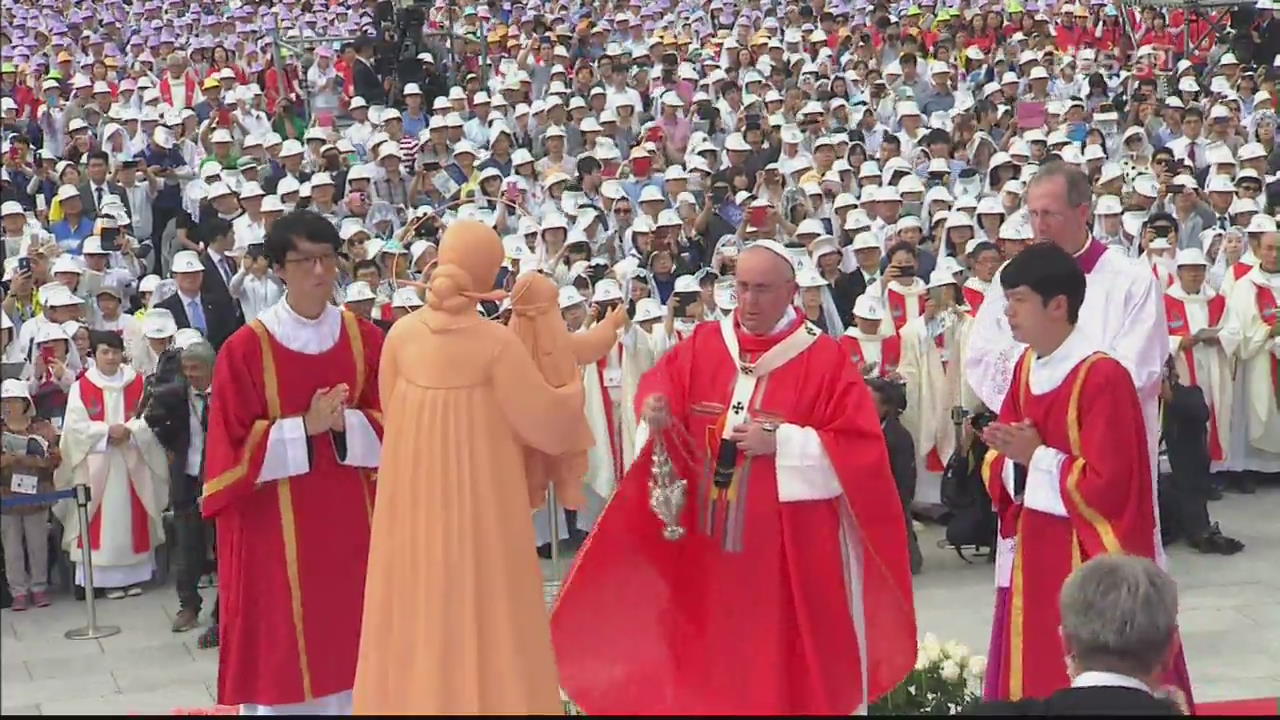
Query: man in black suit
point(96, 187)
point(213, 315)
point(179, 415)
point(1119, 630)
point(365, 79)
point(218, 237)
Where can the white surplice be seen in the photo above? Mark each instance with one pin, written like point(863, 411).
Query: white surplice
point(1257, 436)
point(109, 471)
point(1212, 362)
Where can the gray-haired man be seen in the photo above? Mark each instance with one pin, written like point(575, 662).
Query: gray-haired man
point(179, 414)
point(1119, 632)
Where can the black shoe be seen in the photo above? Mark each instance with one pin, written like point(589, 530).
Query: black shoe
point(544, 551)
point(1214, 493)
point(1247, 484)
point(1214, 542)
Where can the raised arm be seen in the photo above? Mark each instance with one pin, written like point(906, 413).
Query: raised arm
point(539, 415)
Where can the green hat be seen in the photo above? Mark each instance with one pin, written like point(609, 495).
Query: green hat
point(8, 68)
point(914, 10)
point(55, 75)
point(246, 162)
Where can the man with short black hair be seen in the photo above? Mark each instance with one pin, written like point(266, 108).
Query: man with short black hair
point(96, 187)
point(294, 432)
point(365, 80)
point(1068, 470)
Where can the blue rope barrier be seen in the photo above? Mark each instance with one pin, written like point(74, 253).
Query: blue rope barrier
point(40, 499)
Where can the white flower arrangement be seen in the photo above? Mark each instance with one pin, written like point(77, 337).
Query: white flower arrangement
point(946, 679)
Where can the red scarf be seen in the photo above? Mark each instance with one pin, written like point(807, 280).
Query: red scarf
point(1175, 313)
point(1267, 309)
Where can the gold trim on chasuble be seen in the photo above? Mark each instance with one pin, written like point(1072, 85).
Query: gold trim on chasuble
point(288, 529)
point(1100, 524)
point(1016, 600)
point(357, 351)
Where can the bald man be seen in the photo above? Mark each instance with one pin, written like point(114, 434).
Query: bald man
point(787, 590)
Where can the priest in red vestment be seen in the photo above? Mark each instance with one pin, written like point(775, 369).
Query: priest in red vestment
point(1068, 471)
point(294, 439)
point(788, 590)
point(874, 352)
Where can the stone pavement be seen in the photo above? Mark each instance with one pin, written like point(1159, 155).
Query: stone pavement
point(1230, 622)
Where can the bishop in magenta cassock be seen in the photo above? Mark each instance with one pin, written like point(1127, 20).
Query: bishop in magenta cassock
point(1067, 472)
point(789, 591)
point(294, 439)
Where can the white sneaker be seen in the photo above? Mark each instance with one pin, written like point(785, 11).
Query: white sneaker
point(133, 590)
point(115, 594)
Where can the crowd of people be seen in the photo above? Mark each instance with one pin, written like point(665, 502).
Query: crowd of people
point(631, 154)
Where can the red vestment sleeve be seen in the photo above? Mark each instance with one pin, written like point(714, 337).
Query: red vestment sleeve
point(236, 442)
point(1106, 477)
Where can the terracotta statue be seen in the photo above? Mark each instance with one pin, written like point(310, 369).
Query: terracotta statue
point(560, 355)
point(454, 618)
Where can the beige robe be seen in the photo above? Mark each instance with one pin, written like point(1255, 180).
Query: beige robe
point(1257, 350)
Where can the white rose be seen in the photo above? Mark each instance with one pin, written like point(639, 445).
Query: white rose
point(977, 666)
point(956, 651)
point(929, 639)
point(950, 670)
point(933, 653)
point(922, 659)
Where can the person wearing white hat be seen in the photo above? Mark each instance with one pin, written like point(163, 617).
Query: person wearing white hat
point(573, 307)
point(404, 301)
point(874, 353)
point(935, 383)
point(102, 412)
point(157, 329)
point(1195, 316)
point(816, 303)
point(197, 305)
point(358, 298)
point(707, 371)
point(1254, 444)
point(25, 531)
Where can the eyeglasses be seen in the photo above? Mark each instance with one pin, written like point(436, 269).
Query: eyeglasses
point(327, 261)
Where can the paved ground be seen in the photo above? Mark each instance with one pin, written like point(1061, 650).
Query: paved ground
point(1230, 623)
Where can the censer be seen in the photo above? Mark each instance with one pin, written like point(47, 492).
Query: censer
point(666, 491)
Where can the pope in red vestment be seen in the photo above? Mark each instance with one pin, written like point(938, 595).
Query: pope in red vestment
point(789, 591)
point(293, 511)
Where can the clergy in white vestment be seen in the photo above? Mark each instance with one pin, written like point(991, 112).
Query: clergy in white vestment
point(602, 390)
point(1122, 314)
point(932, 347)
point(106, 446)
point(643, 343)
point(1252, 312)
point(1203, 352)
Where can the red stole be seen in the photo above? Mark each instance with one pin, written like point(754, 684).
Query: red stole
point(189, 80)
point(898, 307)
point(1175, 313)
point(973, 298)
point(1240, 269)
point(607, 401)
point(890, 353)
point(1267, 310)
point(95, 406)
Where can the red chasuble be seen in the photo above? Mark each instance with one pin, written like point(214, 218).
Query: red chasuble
point(291, 552)
point(890, 353)
point(1175, 314)
point(1094, 418)
point(749, 612)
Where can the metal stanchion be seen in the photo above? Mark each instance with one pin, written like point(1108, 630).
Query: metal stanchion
point(551, 589)
point(91, 631)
